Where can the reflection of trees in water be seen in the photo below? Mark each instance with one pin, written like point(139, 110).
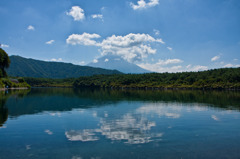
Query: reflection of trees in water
point(3, 110)
point(66, 99)
point(221, 99)
point(3, 115)
point(4, 95)
point(215, 98)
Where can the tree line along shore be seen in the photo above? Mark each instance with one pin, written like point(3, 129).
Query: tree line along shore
point(224, 78)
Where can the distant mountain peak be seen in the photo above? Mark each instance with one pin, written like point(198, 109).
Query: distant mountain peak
point(118, 63)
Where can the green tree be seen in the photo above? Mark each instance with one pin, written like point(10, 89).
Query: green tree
point(4, 62)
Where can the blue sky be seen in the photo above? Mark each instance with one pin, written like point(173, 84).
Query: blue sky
point(159, 35)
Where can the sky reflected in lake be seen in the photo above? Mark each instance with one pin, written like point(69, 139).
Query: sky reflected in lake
point(67, 123)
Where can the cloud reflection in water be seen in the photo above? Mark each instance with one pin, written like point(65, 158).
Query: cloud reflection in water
point(161, 109)
point(132, 128)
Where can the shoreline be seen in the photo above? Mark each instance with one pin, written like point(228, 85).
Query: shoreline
point(126, 88)
point(142, 88)
point(13, 88)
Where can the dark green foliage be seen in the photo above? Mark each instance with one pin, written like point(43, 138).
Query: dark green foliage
point(21, 80)
point(225, 78)
point(46, 82)
point(22, 67)
point(4, 63)
point(13, 83)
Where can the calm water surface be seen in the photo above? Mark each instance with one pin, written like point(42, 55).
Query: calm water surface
point(79, 124)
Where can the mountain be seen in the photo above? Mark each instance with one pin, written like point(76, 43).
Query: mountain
point(23, 67)
point(118, 63)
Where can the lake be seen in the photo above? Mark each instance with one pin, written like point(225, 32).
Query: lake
point(98, 124)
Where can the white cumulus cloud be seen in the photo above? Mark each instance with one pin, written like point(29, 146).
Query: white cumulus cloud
point(83, 39)
point(162, 66)
point(131, 47)
point(169, 61)
point(159, 68)
point(141, 4)
point(231, 65)
point(30, 27)
point(94, 16)
point(77, 13)
point(50, 42)
point(106, 60)
point(215, 58)
point(129, 40)
point(228, 65)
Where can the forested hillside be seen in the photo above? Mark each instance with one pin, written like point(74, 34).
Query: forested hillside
point(23, 67)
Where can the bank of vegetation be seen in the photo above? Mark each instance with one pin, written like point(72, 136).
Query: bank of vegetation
point(48, 82)
point(13, 83)
point(224, 78)
point(5, 81)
